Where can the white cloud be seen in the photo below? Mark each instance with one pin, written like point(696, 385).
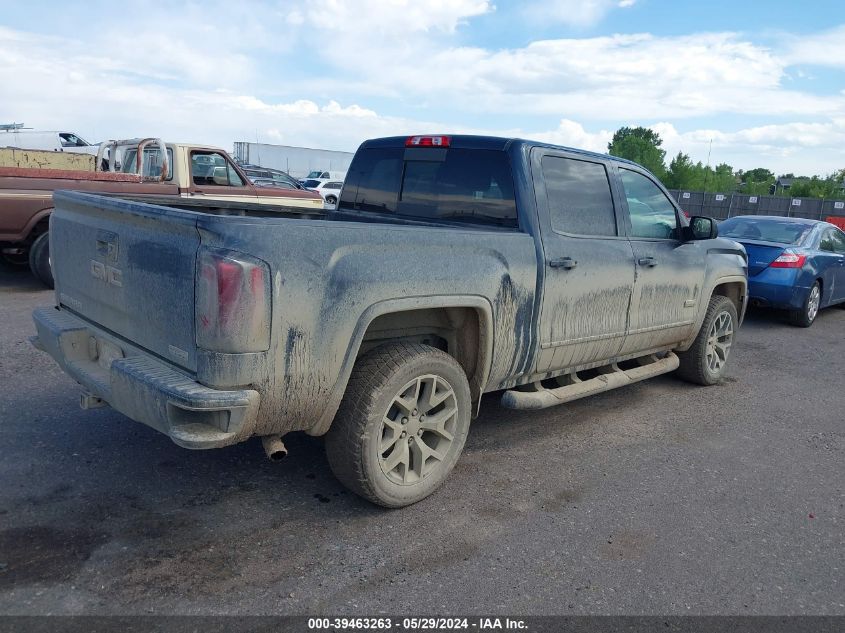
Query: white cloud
point(572, 134)
point(639, 76)
point(577, 13)
point(824, 48)
point(223, 74)
point(801, 147)
point(393, 18)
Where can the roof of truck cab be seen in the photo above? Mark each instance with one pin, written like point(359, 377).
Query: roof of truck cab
point(472, 141)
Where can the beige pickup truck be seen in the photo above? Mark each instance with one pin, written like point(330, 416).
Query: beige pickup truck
point(176, 174)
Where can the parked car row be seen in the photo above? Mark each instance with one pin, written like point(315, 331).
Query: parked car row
point(327, 183)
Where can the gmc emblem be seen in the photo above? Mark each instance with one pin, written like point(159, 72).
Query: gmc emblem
point(107, 274)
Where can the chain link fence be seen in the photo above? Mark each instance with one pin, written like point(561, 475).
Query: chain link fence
point(726, 205)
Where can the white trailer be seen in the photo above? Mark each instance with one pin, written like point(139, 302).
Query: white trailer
point(296, 161)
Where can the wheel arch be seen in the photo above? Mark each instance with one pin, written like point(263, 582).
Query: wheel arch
point(464, 323)
point(39, 223)
point(734, 287)
point(733, 290)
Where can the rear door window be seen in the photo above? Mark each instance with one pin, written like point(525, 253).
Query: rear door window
point(839, 241)
point(826, 243)
point(580, 201)
point(465, 186)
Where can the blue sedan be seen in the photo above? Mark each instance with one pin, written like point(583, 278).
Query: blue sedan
point(793, 263)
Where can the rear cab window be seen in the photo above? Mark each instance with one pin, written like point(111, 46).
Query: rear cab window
point(579, 197)
point(444, 185)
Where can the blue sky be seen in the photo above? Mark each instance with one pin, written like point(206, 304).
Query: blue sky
point(765, 81)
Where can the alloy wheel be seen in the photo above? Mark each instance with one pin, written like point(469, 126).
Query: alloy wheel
point(719, 340)
point(418, 429)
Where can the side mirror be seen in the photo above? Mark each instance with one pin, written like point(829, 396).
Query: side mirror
point(701, 228)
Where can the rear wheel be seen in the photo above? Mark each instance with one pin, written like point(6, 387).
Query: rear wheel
point(39, 259)
point(806, 315)
point(331, 199)
point(401, 425)
point(704, 362)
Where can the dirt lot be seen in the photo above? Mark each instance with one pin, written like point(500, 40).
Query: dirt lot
point(658, 498)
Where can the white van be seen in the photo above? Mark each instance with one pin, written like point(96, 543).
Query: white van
point(50, 141)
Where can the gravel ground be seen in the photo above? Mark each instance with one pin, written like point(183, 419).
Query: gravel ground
point(660, 498)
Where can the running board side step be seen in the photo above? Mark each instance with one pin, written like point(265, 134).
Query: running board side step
point(572, 387)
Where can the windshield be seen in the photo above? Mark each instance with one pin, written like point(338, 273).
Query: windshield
point(311, 184)
point(765, 230)
point(314, 174)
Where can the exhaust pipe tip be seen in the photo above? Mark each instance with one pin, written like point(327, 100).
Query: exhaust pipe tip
point(274, 447)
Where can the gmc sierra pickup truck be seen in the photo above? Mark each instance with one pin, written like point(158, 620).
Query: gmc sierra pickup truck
point(168, 173)
point(453, 266)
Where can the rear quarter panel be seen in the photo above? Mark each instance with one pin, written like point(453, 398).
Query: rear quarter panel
point(330, 279)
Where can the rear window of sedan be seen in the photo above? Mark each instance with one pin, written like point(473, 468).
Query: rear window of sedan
point(780, 231)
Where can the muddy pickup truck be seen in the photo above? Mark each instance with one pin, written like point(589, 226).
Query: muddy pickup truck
point(193, 175)
point(453, 266)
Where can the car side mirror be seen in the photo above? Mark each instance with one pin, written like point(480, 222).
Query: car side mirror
point(701, 228)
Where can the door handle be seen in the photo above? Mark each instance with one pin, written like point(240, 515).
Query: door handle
point(647, 261)
point(567, 263)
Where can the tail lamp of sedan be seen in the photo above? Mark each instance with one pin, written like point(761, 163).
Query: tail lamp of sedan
point(789, 259)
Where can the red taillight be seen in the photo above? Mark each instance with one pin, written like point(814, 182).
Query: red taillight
point(788, 259)
point(428, 141)
point(232, 306)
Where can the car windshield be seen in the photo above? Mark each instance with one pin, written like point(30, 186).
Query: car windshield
point(311, 184)
point(766, 230)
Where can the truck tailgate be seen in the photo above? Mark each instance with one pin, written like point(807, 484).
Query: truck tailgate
point(129, 268)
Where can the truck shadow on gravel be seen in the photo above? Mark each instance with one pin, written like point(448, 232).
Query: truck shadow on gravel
point(19, 279)
point(116, 507)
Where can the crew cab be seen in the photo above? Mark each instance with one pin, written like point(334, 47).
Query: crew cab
point(453, 266)
point(147, 169)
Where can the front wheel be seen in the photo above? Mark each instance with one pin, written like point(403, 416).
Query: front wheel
point(331, 200)
point(401, 425)
point(39, 260)
point(806, 315)
point(704, 362)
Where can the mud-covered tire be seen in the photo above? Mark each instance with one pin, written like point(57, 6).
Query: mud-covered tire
point(806, 315)
point(697, 363)
point(368, 426)
point(39, 260)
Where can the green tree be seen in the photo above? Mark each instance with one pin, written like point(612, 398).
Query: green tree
point(816, 187)
point(723, 179)
point(640, 145)
point(681, 173)
point(758, 174)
